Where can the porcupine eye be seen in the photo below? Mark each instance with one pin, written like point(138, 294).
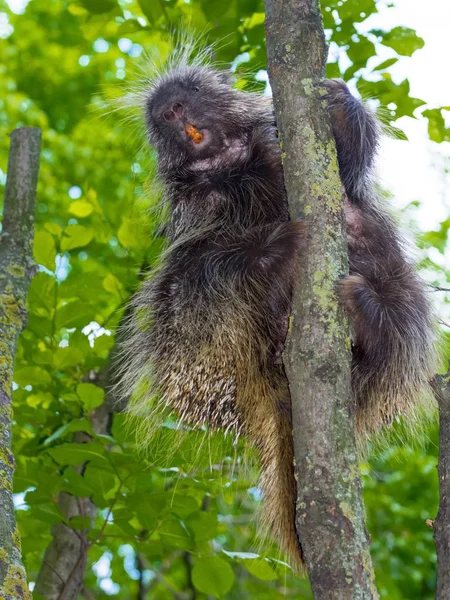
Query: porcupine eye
point(195, 89)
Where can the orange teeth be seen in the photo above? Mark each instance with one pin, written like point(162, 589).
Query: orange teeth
point(195, 135)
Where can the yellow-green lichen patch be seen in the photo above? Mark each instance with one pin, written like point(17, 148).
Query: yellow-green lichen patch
point(6, 457)
point(5, 482)
point(6, 374)
point(308, 86)
point(15, 584)
point(15, 270)
point(11, 311)
point(16, 539)
point(328, 184)
point(347, 511)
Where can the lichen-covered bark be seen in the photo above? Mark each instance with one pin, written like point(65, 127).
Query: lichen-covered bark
point(16, 270)
point(441, 524)
point(330, 511)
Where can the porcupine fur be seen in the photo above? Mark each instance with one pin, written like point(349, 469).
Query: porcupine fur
point(209, 325)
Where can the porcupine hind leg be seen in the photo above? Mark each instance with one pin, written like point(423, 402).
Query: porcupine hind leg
point(392, 345)
point(386, 301)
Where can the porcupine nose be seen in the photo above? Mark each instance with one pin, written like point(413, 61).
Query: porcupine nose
point(176, 112)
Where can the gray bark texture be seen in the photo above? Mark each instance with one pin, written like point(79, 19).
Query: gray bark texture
point(16, 270)
point(441, 524)
point(330, 510)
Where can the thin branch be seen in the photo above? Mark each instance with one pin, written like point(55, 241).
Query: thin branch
point(67, 552)
point(330, 511)
point(438, 288)
point(16, 268)
point(441, 525)
point(142, 587)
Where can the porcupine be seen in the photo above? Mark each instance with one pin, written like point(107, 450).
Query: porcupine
point(209, 325)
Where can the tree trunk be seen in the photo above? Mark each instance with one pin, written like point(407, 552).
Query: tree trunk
point(330, 510)
point(62, 571)
point(441, 524)
point(16, 268)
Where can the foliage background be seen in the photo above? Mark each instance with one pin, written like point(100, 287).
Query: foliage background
point(174, 532)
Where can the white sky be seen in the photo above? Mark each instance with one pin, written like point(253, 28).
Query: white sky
point(414, 169)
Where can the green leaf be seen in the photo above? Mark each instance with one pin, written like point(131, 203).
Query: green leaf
point(385, 64)
point(437, 129)
point(32, 376)
point(152, 9)
point(212, 575)
point(130, 26)
point(41, 295)
point(333, 71)
point(80, 522)
point(44, 249)
point(403, 40)
point(174, 535)
point(81, 208)
point(73, 314)
point(90, 395)
point(76, 454)
point(67, 357)
point(41, 399)
point(53, 228)
point(112, 284)
point(97, 7)
point(130, 234)
point(260, 568)
point(40, 326)
point(101, 481)
point(148, 508)
point(184, 505)
point(75, 425)
point(76, 236)
point(204, 525)
point(75, 484)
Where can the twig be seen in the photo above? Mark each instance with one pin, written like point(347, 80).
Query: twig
point(441, 524)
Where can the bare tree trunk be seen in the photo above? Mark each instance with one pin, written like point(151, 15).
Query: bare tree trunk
point(62, 571)
point(441, 524)
point(330, 510)
point(16, 271)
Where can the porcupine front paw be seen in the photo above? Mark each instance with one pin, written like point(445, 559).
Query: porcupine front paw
point(356, 132)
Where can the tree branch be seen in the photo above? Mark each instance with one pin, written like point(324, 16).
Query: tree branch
point(330, 511)
point(441, 524)
point(16, 268)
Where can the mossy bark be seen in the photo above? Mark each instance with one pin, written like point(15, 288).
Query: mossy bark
point(330, 510)
point(441, 524)
point(16, 269)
